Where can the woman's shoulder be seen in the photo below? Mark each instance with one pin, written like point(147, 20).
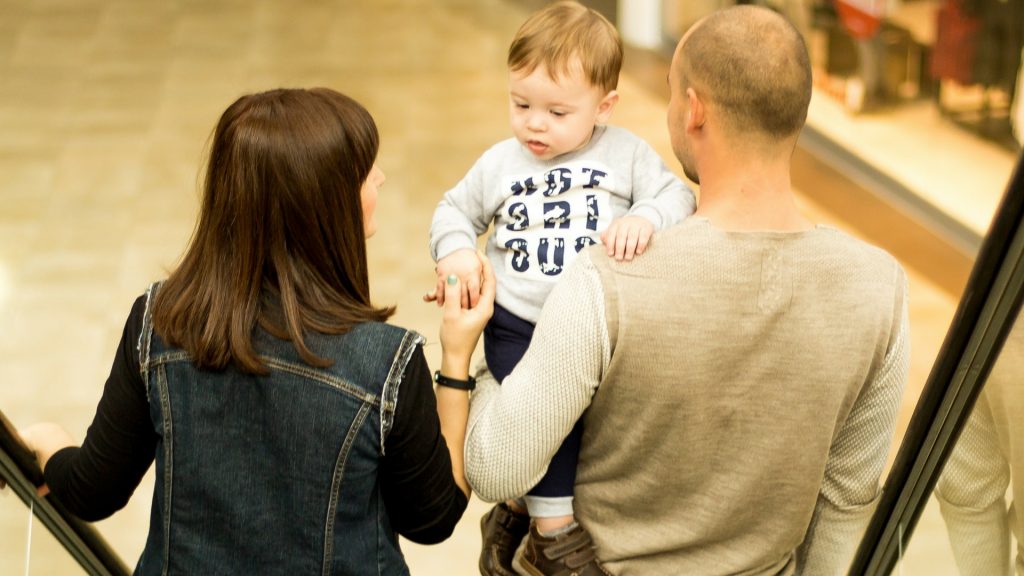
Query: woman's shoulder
point(141, 308)
point(385, 329)
point(382, 340)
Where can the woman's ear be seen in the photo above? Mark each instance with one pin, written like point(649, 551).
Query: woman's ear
point(606, 105)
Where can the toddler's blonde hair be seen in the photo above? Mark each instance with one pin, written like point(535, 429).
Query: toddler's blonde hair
point(566, 34)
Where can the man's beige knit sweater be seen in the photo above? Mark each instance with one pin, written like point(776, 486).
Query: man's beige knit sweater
point(738, 390)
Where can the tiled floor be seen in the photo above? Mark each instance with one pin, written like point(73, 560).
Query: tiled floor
point(105, 108)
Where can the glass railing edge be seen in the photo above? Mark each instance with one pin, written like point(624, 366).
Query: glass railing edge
point(82, 541)
point(982, 321)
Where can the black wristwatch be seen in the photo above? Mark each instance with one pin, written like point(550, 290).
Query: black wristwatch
point(453, 383)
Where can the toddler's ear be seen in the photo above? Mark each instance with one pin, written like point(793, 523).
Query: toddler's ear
point(607, 104)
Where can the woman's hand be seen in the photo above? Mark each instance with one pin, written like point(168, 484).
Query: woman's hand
point(466, 266)
point(44, 440)
point(461, 327)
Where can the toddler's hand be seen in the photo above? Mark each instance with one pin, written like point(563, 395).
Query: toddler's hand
point(465, 265)
point(627, 236)
point(461, 327)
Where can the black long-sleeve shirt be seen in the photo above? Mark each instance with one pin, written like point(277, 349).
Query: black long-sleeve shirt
point(97, 479)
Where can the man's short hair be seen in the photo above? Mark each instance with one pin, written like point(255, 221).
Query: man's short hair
point(753, 64)
point(567, 34)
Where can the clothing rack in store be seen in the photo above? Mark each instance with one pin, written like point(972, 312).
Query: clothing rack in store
point(975, 63)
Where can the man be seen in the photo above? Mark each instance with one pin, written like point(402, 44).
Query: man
point(739, 381)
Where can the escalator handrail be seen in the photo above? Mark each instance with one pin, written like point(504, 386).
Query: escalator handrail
point(986, 313)
point(18, 466)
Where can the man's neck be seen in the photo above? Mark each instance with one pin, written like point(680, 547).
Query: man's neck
point(751, 196)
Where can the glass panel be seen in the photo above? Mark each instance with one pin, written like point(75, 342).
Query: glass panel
point(985, 321)
point(970, 526)
point(47, 555)
point(46, 521)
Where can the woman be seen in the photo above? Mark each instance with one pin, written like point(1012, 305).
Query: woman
point(293, 431)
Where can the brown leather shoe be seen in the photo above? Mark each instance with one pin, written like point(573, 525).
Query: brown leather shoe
point(502, 529)
point(569, 554)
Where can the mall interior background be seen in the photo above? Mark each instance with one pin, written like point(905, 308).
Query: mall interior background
point(106, 107)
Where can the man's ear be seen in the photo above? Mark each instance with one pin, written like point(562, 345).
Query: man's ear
point(698, 114)
point(606, 105)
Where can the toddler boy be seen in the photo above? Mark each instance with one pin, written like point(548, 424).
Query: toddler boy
point(565, 181)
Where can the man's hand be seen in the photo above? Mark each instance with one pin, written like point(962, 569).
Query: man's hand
point(465, 265)
point(627, 236)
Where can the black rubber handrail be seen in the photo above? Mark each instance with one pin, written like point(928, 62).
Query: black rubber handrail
point(984, 317)
point(18, 467)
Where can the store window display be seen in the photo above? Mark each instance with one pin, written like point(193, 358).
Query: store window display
point(900, 86)
point(976, 60)
point(962, 54)
point(862, 21)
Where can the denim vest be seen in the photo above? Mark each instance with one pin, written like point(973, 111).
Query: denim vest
point(274, 474)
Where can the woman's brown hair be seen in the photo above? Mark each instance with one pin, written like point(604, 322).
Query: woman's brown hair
point(279, 242)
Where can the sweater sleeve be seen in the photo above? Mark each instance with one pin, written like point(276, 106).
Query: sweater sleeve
point(463, 214)
point(515, 428)
point(98, 478)
point(972, 496)
point(850, 490)
point(422, 499)
point(658, 194)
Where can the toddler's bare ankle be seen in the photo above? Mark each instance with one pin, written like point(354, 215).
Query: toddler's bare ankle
point(553, 525)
